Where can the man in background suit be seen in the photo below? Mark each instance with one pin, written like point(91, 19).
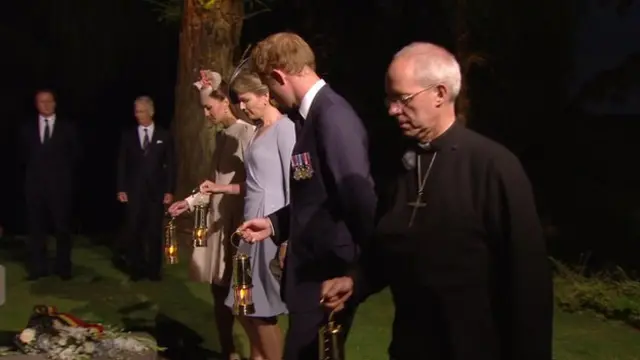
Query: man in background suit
point(51, 150)
point(332, 206)
point(146, 179)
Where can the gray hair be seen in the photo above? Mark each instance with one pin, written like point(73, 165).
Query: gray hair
point(433, 65)
point(147, 102)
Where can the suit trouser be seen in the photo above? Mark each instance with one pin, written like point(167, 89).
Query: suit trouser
point(45, 207)
point(144, 227)
point(301, 342)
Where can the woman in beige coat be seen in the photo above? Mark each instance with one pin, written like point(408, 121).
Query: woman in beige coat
point(212, 263)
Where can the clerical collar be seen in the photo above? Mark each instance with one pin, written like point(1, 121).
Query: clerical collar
point(442, 141)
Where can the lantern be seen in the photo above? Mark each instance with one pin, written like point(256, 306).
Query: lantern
point(330, 341)
point(171, 242)
point(199, 234)
point(242, 282)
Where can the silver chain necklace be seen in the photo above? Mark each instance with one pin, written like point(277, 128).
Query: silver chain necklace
point(421, 184)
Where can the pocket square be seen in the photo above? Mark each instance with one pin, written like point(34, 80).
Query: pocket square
point(159, 142)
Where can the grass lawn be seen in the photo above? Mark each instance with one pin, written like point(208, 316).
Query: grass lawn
point(179, 312)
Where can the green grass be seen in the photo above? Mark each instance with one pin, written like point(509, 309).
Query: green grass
point(180, 314)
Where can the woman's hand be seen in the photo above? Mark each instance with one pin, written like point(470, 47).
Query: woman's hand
point(209, 187)
point(178, 208)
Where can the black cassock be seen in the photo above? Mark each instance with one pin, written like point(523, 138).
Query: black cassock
point(470, 278)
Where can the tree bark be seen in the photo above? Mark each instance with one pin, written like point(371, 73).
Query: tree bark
point(208, 40)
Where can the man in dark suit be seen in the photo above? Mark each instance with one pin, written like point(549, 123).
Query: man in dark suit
point(51, 150)
point(146, 178)
point(331, 212)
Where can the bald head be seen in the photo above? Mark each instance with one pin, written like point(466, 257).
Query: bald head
point(429, 65)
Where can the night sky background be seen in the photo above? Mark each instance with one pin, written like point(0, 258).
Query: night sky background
point(580, 150)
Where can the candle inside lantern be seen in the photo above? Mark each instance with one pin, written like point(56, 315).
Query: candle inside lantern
point(244, 295)
point(172, 250)
point(243, 303)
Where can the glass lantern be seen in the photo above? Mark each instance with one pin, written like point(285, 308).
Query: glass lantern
point(242, 285)
point(171, 242)
point(199, 235)
point(331, 346)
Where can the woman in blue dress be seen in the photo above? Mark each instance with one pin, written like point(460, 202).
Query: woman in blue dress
point(267, 164)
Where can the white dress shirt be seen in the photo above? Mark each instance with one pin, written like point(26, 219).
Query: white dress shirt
point(41, 125)
point(141, 133)
point(307, 99)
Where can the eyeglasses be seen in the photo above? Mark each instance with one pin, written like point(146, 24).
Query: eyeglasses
point(404, 100)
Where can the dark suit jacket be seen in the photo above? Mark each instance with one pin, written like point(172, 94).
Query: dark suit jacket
point(151, 175)
point(331, 215)
point(50, 166)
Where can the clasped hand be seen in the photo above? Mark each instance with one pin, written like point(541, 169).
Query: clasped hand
point(209, 187)
point(334, 293)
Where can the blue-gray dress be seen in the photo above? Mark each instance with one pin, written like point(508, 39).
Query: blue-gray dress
point(267, 163)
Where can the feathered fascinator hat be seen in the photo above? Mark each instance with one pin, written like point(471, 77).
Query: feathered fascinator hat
point(242, 65)
point(210, 80)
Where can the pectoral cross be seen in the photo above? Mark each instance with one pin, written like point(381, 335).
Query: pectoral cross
point(422, 181)
point(416, 204)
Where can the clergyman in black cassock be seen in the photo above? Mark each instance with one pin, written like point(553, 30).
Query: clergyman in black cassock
point(469, 275)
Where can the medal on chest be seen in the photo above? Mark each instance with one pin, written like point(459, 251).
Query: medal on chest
point(302, 168)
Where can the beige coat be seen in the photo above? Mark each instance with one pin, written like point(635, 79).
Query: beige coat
point(212, 263)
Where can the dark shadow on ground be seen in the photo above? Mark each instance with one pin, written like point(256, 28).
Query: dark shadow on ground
point(180, 340)
point(7, 337)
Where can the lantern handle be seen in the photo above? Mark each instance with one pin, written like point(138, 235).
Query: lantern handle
point(238, 236)
point(331, 315)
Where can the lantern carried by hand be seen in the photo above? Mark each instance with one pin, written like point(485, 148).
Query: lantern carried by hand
point(242, 282)
point(331, 346)
point(199, 234)
point(171, 242)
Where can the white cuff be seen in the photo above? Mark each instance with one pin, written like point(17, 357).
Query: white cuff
point(198, 199)
point(190, 201)
point(273, 230)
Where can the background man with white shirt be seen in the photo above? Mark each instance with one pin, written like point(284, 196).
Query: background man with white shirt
point(51, 151)
point(146, 181)
point(332, 199)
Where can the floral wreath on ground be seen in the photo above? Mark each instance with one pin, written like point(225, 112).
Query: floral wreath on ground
point(61, 336)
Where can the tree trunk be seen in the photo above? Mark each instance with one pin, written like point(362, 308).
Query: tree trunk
point(208, 40)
